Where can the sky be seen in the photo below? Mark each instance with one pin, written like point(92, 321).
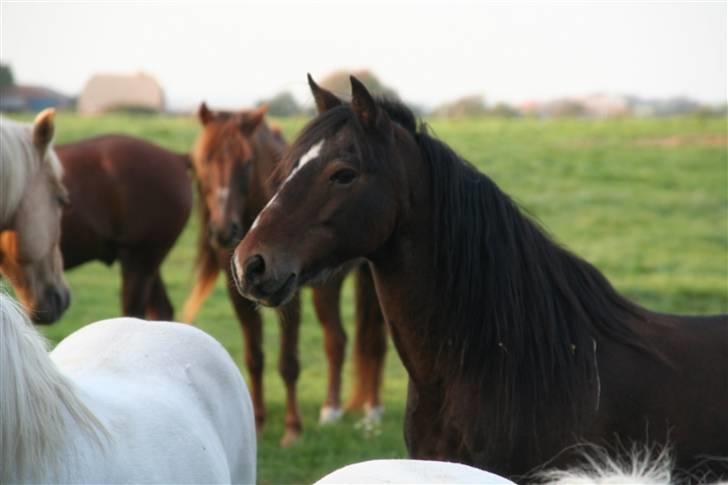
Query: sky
point(234, 54)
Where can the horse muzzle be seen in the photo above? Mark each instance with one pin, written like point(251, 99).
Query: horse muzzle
point(257, 281)
point(54, 303)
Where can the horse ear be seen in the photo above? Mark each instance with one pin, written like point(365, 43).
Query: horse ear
point(204, 114)
point(250, 121)
point(325, 100)
point(43, 129)
point(364, 106)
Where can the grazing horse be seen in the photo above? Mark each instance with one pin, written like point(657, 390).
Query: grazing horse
point(121, 401)
point(235, 160)
point(517, 350)
point(130, 200)
point(31, 199)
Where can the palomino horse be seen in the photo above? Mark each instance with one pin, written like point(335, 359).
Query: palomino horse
point(234, 160)
point(130, 200)
point(121, 401)
point(517, 350)
point(31, 198)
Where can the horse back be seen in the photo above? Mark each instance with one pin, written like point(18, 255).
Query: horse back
point(675, 394)
point(166, 376)
point(123, 191)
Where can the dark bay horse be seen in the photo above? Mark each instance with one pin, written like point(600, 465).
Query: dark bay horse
point(130, 200)
point(234, 160)
point(517, 350)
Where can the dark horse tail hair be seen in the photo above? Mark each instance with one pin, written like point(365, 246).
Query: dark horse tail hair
point(206, 267)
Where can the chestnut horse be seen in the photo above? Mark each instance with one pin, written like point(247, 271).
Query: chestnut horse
point(130, 200)
point(234, 160)
point(517, 350)
point(31, 199)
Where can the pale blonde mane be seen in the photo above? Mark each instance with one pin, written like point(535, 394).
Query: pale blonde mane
point(37, 402)
point(19, 162)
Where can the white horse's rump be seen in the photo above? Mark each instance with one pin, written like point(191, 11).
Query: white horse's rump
point(130, 401)
point(411, 472)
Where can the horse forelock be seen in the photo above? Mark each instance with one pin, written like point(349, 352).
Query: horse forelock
point(20, 160)
point(38, 402)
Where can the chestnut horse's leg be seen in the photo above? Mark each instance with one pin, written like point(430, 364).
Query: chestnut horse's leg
point(370, 346)
point(289, 367)
point(251, 323)
point(158, 306)
point(326, 302)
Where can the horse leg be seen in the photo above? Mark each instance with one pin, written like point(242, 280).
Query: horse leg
point(326, 302)
point(252, 326)
point(158, 306)
point(289, 367)
point(370, 347)
point(136, 284)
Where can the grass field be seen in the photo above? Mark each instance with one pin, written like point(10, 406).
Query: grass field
point(645, 200)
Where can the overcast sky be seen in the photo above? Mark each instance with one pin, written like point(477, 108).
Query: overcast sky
point(430, 52)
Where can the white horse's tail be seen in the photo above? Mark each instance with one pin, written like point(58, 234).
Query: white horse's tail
point(35, 400)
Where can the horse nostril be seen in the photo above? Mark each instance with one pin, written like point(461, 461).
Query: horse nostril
point(235, 230)
point(253, 267)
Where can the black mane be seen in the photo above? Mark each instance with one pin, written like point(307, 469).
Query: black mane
point(523, 316)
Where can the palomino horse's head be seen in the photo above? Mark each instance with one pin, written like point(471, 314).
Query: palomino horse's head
point(222, 162)
point(31, 203)
point(341, 200)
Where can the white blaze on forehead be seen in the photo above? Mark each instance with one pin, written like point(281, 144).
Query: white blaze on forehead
point(312, 153)
point(222, 193)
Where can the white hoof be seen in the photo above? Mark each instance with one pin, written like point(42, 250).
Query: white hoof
point(373, 414)
point(330, 414)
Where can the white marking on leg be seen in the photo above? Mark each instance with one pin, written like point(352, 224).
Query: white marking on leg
point(330, 414)
point(373, 414)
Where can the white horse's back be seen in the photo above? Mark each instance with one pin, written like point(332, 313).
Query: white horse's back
point(122, 400)
point(171, 395)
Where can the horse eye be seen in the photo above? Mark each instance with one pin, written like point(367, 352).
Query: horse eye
point(344, 176)
point(63, 200)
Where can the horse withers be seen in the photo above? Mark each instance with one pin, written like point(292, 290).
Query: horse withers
point(121, 401)
point(517, 350)
point(130, 201)
point(235, 160)
point(32, 196)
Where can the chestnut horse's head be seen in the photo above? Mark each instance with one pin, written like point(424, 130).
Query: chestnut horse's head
point(223, 165)
point(344, 188)
point(32, 196)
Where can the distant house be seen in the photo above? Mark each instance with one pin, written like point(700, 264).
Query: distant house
point(108, 92)
point(32, 98)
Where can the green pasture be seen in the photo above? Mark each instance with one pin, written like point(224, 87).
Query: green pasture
point(645, 200)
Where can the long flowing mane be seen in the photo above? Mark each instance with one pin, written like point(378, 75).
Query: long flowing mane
point(36, 400)
point(516, 316)
point(19, 160)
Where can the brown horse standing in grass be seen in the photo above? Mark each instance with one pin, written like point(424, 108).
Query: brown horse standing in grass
point(130, 200)
point(517, 350)
point(234, 159)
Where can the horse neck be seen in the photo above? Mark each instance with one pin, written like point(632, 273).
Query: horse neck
point(37, 400)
